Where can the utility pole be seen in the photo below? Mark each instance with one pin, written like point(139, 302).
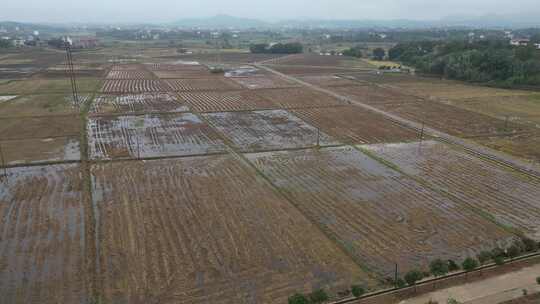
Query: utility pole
point(3, 162)
point(506, 123)
point(71, 74)
point(318, 138)
point(422, 132)
point(396, 276)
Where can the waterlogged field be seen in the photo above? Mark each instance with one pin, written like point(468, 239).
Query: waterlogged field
point(137, 103)
point(267, 130)
point(113, 137)
point(207, 230)
point(42, 249)
point(221, 101)
point(38, 150)
point(508, 197)
point(134, 86)
point(381, 216)
point(352, 124)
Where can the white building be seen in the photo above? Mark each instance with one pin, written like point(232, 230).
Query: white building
point(519, 42)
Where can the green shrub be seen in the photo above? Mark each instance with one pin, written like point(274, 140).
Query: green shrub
point(499, 260)
point(513, 251)
point(483, 257)
point(538, 280)
point(438, 267)
point(400, 283)
point(413, 276)
point(357, 290)
point(298, 299)
point(469, 264)
point(318, 296)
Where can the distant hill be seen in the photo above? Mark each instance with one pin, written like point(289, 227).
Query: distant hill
point(491, 21)
point(221, 21)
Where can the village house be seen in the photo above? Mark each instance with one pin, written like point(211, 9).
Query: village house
point(519, 42)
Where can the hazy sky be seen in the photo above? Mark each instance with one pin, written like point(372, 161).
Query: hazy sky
point(169, 10)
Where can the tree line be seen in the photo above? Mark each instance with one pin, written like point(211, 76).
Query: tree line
point(278, 48)
point(493, 62)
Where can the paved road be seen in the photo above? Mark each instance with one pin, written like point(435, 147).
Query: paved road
point(518, 164)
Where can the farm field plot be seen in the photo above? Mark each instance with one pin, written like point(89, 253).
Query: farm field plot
point(318, 60)
point(381, 216)
point(226, 237)
point(224, 101)
point(525, 145)
point(354, 125)
point(263, 82)
point(151, 136)
point(298, 98)
point(134, 86)
point(137, 103)
point(310, 70)
point(126, 67)
point(207, 84)
point(177, 66)
point(39, 127)
point(184, 73)
point(42, 250)
point(47, 85)
point(373, 94)
point(510, 198)
point(452, 120)
point(523, 109)
point(228, 57)
point(327, 80)
point(26, 151)
point(129, 74)
point(267, 130)
point(41, 105)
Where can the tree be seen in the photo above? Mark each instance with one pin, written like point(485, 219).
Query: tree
point(513, 251)
point(538, 280)
point(357, 290)
point(452, 266)
point(413, 276)
point(355, 51)
point(483, 257)
point(318, 296)
point(529, 244)
point(469, 264)
point(298, 299)
point(4, 44)
point(258, 48)
point(379, 53)
point(438, 267)
point(497, 252)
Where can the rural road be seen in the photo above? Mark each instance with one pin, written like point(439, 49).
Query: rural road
point(493, 290)
point(523, 166)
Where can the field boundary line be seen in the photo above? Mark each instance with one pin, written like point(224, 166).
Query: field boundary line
point(530, 168)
